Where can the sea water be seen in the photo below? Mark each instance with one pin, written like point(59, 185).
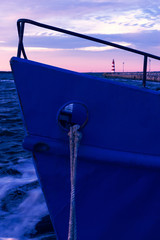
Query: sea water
point(23, 211)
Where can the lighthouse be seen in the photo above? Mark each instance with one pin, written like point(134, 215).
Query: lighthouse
point(113, 66)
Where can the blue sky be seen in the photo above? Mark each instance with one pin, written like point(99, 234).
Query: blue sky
point(133, 23)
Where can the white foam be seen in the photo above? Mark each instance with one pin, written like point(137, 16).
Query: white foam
point(24, 218)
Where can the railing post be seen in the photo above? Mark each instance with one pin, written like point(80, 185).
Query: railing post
point(20, 33)
point(144, 70)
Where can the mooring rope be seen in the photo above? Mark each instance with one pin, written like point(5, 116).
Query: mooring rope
point(74, 139)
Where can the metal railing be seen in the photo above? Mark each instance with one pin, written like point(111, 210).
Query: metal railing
point(21, 25)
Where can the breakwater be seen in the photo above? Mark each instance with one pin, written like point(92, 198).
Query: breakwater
point(151, 76)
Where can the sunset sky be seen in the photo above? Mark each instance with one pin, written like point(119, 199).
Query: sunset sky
point(135, 24)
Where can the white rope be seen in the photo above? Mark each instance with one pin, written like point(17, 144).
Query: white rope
point(74, 138)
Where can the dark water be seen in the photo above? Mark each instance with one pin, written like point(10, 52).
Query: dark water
point(23, 212)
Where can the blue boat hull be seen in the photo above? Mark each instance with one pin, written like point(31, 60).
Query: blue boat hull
point(118, 170)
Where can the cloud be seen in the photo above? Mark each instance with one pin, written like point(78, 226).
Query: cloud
point(91, 16)
point(135, 22)
point(139, 39)
point(46, 49)
point(100, 49)
point(94, 49)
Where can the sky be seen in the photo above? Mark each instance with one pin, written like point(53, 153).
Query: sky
point(135, 24)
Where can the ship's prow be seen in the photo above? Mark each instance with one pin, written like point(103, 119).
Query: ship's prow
point(117, 190)
point(114, 193)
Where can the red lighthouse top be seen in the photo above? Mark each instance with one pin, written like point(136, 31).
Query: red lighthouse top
point(113, 66)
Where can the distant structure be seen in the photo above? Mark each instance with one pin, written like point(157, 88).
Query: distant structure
point(113, 66)
point(149, 65)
